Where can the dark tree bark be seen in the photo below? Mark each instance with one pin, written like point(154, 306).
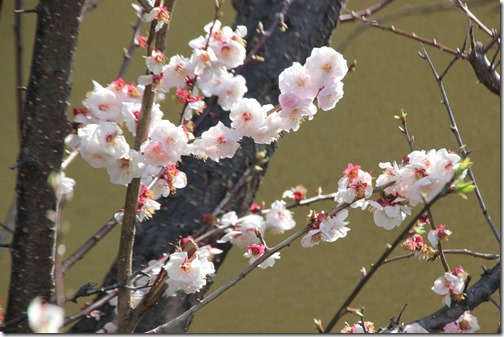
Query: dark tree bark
point(232, 182)
point(43, 129)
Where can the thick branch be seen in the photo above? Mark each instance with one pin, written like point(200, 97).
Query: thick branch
point(44, 127)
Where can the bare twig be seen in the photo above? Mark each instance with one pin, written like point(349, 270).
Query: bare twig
point(472, 17)
point(458, 137)
point(132, 47)
point(86, 247)
point(365, 12)
point(448, 251)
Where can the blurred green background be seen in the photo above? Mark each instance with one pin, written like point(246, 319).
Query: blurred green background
point(306, 283)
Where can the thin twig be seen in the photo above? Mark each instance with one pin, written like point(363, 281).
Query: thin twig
point(448, 251)
point(364, 12)
point(86, 247)
point(415, 37)
point(458, 137)
point(132, 47)
point(473, 17)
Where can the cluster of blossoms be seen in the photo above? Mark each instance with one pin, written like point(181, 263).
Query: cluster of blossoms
point(109, 111)
point(466, 323)
point(451, 285)
point(357, 328)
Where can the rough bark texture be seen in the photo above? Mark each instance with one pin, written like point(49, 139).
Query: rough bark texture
point(43, 129)
point(311, 24)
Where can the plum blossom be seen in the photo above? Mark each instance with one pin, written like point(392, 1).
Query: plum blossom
point(296, 80)
point(169, 179)
point(187, 273)
point(176, 72)
point(357, 328)
point(439, 234)
point(217, 142)
point(173, 140)
point(414, 328)
point(326, 66)
point(355, 183)
point(124, 169)
point(247, 116)
point(327, 228)
point(255, 251)
point(62, 185)
point(102, 143)
point(279, 219)
point(389, 214)
point(147, 206)
point(297, 193)
point(156, 61)
point(243, 232)
point(466, 323)
point(160, 14)
point(448, 285)
point(44, 317)
point(103, 104)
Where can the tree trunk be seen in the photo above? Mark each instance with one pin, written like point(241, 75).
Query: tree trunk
point(232, 182)
point(43, 129)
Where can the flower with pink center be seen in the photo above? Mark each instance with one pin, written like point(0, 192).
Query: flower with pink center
point(156, 61)
point(229, 46)
point(466, 323)
point(243, 232)
point(448, 285)
point(297, 80)
point(389, 214)
point(173, 139)
point(160, 14)
point(168, 181)
point(217, 142)
point(330, 95)
point(328, 229)
point(102, 143)
point(355, 183)
point(202, 60)
point(187, 273)
point(247, 116)
point(154, 153)
point(231, 91)
point(326, 66)
point(255, 251)
point(439, 234)
point(279, 219)
point(291, 118)
point(44, 317)
point(176, 72)
point(147, 206)
point(103, 104)
point(123, 170)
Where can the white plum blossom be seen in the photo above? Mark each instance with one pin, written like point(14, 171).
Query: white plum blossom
point(447, 285)
point(103, 104)
point(326, 66)
point(466, 323)
point(330, 95)
point(279, 219)
point(45, 317)
point(328, 228)
point(187, 273)
point(296, 80)
point(255, 251)
point(355, 183)
point(161, 15)
point(173, 139)
point(231, 91)
point(62, 185)
point(389, 214)
point(102, 143)
point(440, 233)
point(247, 116)
point(217, 142)
point(176, 72)
point(123, 170)
point(155, 62)
point(244, 232)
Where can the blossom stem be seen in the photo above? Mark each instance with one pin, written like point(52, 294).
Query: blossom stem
point(365, 12)
point(133, 45)
point(448, 251)
point(458, 137)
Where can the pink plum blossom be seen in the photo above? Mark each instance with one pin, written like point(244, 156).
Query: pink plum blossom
point(466, 323)
point(255, 251)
